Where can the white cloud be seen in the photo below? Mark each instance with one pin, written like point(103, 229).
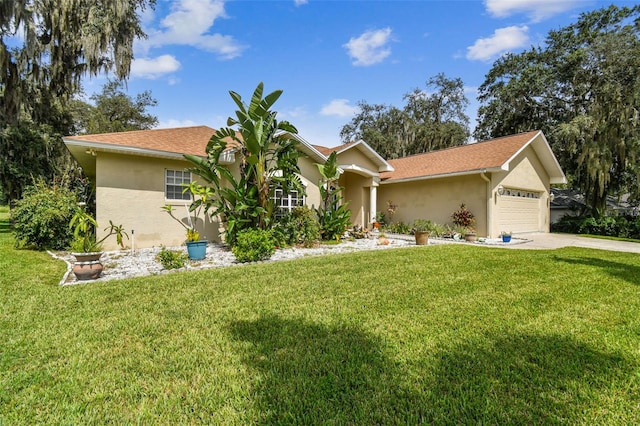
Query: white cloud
point(502, 40)
point(300, 2)
point(153, 68)
point(536, 10)
point(370, 47)
point(171, 123)
point(189, 23)
point(339, 107)
point(292, 114)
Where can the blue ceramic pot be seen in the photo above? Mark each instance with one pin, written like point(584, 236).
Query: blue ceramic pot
point(197, 249)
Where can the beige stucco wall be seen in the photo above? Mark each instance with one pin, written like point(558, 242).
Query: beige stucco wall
point(130, 192)
point(436, 199)
point(355, 157)
point(310, 176)
point(357, 195)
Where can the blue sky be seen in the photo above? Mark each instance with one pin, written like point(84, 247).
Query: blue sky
point(326, 55)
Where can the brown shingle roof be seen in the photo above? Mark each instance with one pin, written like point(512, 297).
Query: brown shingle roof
point(182, 140)
point(467, 158)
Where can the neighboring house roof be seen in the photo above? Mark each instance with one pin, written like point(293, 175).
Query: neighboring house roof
point(567, 199)
point(364, 148)
point(492, 155)
point(571, 199)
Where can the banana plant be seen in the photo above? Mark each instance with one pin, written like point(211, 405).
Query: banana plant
point(333, 214)
point(268, 160)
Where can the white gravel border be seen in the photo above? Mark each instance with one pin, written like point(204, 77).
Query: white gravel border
point(141, 262)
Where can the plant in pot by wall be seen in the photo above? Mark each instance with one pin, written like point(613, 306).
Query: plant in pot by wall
point(379, 220)
point(86, 249)
point(421, 230)
point(465, 219)
point(196, 247)
point(506, 236)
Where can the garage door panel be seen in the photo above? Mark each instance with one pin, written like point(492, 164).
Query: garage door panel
point(519, 214)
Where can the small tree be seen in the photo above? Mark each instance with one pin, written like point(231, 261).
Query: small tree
point(333, 214)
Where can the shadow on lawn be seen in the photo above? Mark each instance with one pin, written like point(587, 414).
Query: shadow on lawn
point(629, 273)
point(308, 373)
point(524, 379)
point(318, 374)
point(4, 226)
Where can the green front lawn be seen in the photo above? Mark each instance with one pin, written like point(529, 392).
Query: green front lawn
point(440, 334)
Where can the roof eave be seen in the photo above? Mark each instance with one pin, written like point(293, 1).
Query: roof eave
point(123, 149)
point(443, 175)
point(383, 165)
point(307, 148)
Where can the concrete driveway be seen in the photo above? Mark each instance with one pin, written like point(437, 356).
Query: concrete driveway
point(553, 241)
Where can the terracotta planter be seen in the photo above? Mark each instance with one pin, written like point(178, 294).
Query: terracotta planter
point(422, 238)
point(470, 236)
point(87, 266)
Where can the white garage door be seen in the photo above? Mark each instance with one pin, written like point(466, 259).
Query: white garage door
point(519, 214)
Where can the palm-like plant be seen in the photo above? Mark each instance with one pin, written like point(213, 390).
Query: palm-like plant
point(334, 216)
point(269, 160)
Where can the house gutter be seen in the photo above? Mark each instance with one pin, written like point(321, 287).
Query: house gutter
point(418, 178)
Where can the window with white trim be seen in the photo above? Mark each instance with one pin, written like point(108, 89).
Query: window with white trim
point(510, 192)
point(173, 184)
point(285, 202)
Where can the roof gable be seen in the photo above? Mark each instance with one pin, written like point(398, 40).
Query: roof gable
point(362, 147)
point(491, 155)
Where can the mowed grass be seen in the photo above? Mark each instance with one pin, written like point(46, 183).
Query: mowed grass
point(440, 334)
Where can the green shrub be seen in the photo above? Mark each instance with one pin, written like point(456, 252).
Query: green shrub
point(171, 259)
point(398, 228)
point(253, 245)
point(41, 218)
point(610, 226)
point(463, 217)
point(301, 227)
point(438, 230)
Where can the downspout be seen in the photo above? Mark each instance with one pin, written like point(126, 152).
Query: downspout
point(488, 200)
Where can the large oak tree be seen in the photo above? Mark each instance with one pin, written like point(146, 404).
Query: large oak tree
point(430, 120)
point(582, 88)
point(114, 111)
point(46, 47)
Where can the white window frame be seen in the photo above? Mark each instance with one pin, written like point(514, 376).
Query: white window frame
point(285, 203)
point(173, 185)
point(521, 193)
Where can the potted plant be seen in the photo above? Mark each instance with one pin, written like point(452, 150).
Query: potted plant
point(86, 250)
point(506, 236)
point(379, 220)
point(196, 247)
point(421, 230)
point(470, 234)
